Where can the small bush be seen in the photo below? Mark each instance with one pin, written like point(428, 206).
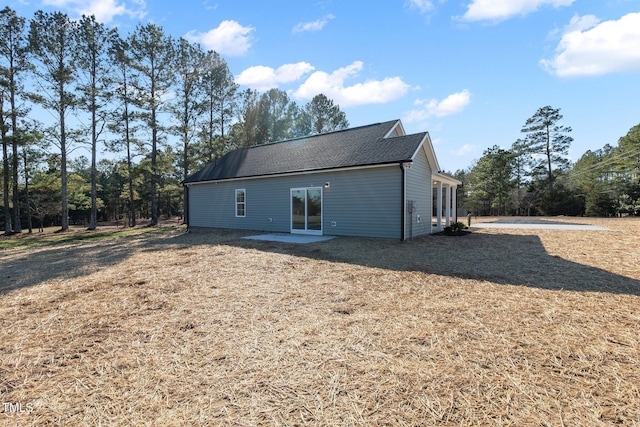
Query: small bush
point(458, 226)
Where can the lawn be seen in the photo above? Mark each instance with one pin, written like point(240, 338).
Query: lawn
point(498, 327)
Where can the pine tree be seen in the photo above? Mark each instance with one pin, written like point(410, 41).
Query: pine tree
point(13, 57)
point(627, 165)
point(188, 104)
point(245, 132)
point(122, 123)
point(5, 165)
point(52, 42)
point(152, 56)
point(93, 41)
point(547, 140)
point(491, 182)
point(221, 103)
point(325, 115)
point(276, 117)
point(521, 163)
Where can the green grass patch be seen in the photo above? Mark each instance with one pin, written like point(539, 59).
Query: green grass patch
point(34, 240)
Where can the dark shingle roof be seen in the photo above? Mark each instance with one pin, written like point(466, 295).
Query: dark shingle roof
point(361, 146)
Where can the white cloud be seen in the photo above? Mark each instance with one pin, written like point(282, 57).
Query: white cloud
point(464, 150)
point(422, 5)
point(103, 10)
point(333, 86)
point(313, 26)
point(452, 104)
point(590, 48)
point(330, 84)
point(230, 38)
point(208, 5)
point(500, 10)
point(581, 23)
point(264, 78)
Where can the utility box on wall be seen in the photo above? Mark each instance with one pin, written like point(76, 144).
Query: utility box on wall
point(411, 207)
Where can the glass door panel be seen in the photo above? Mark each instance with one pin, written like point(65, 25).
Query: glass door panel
point(306, 210)
point(314, 209)
point(298, 210)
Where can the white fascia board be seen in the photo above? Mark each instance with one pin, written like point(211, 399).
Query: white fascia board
point(398, 126)
point(427, 146)
point(445, 179)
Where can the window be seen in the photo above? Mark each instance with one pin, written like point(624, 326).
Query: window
point(241, 203)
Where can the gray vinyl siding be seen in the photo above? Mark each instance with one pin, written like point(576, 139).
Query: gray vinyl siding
point(359, 202)
point(419, 189)
point(366, 202)
point(266, 206)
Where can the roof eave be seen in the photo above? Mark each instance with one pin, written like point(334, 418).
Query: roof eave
point(302, 171)
point(446, 178)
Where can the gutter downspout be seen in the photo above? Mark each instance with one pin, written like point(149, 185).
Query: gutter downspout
point(185, 220)
point(404, 202)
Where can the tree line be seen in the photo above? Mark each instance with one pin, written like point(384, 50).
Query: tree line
point(535, 177)
point(155, 107)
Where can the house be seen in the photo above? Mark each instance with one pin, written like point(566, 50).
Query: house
point(370, 181)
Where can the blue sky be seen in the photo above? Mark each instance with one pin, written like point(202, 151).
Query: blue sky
point(468, 71)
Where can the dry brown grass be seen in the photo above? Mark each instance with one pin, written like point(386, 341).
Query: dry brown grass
point(500, 327)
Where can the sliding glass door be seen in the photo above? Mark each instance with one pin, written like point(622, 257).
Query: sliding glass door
point(306, 210)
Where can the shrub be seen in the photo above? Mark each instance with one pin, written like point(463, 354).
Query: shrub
point(458, 226)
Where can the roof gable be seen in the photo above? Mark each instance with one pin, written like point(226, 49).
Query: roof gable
point(430, 153)
point(375, 144)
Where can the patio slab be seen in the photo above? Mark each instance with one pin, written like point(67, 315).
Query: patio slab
point(289, 238)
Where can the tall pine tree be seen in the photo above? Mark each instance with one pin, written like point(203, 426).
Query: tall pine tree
point(93, 41)
point(122, 123)
point(547, 140)
point(52, 41)
point(5, 165)
point(13, 64)
point(325, 115)
point(152, 56)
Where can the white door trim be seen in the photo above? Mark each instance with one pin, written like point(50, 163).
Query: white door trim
point(306, 229)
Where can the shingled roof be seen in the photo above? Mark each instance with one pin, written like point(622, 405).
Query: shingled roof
point(360, 146)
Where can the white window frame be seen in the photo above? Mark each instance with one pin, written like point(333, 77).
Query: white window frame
point(243, 203)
